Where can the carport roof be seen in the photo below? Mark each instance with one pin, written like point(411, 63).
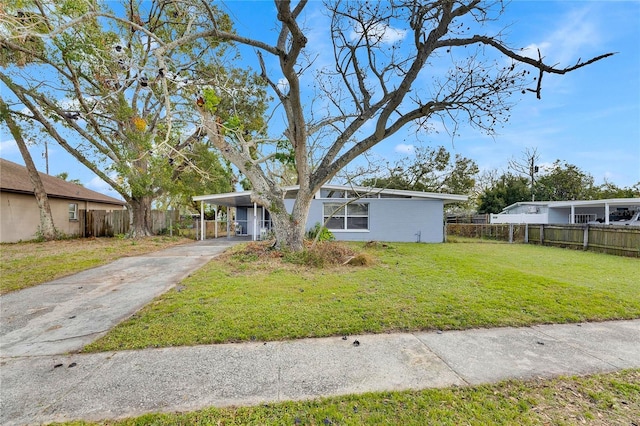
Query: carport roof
point(623, 202)
point(236, 199)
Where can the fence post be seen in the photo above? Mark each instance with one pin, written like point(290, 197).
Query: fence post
point(585, 238)
point(511, 233)
point(526, 233)
point(541, 234)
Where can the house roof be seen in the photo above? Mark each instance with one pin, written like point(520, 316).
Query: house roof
point(622, 202)
point(15, 178)
point(235, 199)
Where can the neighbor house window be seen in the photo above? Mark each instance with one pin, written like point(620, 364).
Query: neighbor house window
point(354, 216)
point(73, 211)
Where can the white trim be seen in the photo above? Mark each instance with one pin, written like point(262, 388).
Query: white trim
point(231, 198)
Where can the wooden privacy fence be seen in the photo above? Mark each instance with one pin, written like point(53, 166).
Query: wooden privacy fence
point(501, 232)
point(618, 240)
point(102, 223)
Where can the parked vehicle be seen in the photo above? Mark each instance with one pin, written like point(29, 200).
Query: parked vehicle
point(633, 221)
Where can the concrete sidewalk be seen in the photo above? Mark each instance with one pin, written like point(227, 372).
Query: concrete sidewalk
point(121, 384)
point(66, 314)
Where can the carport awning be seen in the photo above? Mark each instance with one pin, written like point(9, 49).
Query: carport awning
point(230, 199)
point(612, 202)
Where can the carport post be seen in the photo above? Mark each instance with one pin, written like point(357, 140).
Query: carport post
point(573, 215)
point(202, 220)
point(255, 221)
point(606, 213)
point(215, 221)
point(228, 223)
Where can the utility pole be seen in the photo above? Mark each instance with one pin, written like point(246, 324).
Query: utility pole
point(527, 167)
point(46, 156)
point(533, 169)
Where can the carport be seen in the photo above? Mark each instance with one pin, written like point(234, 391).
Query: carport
point(229, 200)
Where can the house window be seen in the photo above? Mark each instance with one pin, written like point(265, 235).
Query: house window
point(73, 211)
point(354, 216)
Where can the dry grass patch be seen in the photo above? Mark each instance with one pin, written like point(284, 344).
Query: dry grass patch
point(323, 255)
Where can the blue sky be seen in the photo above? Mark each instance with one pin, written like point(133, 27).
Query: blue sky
point(590, 117)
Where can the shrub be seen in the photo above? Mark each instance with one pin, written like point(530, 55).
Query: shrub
point(324, 233)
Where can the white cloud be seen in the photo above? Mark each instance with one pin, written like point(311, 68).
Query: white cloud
point(8, 147)
point(283, 84)
point(97, 184)
point(576, 35)
point(404, 148)
point(380, 32)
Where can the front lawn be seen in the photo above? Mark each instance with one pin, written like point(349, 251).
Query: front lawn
point(410, 287)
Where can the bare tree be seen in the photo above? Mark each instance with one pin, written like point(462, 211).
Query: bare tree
point(385, 74)
point(372, 87)
point(526, 166)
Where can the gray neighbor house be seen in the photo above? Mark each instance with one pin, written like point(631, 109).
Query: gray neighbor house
point(351, 213)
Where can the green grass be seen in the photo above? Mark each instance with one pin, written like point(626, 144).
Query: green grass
point(27, 264)
point(603, 399)
point(411, 287)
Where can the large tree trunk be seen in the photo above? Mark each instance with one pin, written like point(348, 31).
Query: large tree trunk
point(140, 217)
point(290, 228)
point(47, 228)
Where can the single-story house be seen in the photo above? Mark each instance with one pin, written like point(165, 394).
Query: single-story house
point(573, 212)
point(351, 213)
point(19, 213)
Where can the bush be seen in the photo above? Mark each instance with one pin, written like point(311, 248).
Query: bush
point(325, 234)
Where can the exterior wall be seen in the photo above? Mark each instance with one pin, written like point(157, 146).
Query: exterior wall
point(559, 215)
point(20, 216)
point(529, 209)
point(246, 219)
point(391, 219)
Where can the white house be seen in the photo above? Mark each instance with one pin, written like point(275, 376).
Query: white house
point(351, 213)
point(581, 211)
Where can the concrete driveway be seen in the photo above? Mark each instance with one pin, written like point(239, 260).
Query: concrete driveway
point(64, 315)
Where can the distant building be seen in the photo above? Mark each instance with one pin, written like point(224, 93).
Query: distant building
point(561, 212)
point(19, 212)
